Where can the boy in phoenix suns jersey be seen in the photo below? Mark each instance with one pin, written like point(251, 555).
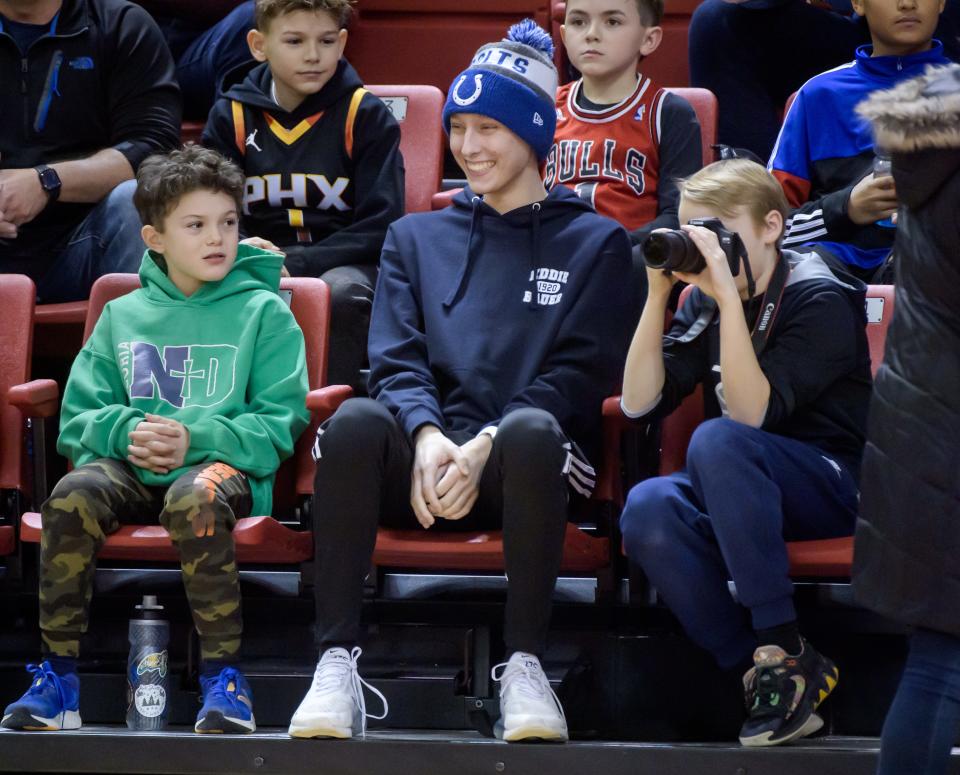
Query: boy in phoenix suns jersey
point(621, 141)
point(324, 175)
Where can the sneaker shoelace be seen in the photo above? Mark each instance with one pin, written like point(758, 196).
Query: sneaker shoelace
point(42, 674)
point(774, 690)
point(528, 679)
point(330, 675)
point(220, 686)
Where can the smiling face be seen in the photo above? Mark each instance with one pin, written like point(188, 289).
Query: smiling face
point(495, 161)
point(303, 49)
point(605, 38)
point(900, 27)
point(198, 239)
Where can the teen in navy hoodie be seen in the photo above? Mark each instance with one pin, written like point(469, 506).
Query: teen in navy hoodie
point(499, 325)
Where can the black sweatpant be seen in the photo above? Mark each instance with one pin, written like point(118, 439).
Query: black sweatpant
point(363, 480)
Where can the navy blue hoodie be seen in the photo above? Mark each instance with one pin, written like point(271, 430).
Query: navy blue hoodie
point(477, 314)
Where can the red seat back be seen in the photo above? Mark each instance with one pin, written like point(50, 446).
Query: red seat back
point(418, 109)
point(310, 304)
point(705, 105)
point(17, 296)
point(429, 41)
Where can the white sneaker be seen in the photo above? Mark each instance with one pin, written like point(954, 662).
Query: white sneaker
point(529, 708)
point(334, 705)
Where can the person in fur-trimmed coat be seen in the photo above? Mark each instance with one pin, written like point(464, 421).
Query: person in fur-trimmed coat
point(907, 560)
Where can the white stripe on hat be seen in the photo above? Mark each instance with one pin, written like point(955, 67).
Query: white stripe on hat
point(518, 66)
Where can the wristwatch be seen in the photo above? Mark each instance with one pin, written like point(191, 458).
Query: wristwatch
point(49, 181)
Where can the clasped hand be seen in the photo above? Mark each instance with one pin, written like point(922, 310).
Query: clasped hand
point(158, 444)
point(446, 477)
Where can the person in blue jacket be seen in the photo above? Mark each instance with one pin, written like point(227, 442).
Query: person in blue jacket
point(825, 155)
point(499, 325)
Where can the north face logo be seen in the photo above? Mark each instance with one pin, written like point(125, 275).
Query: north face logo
point(186, 375)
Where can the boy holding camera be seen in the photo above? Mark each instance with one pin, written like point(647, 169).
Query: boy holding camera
point(778, 343)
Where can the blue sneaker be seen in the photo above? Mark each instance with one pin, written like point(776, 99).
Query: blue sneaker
point(52, 702)
point(227, 704)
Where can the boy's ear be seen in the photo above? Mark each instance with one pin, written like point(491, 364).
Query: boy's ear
point(859, 7)
point(341, 41)
point(152, 238)
point(255, 41)
point(563, 34)
point(651, 41)
point(772, 226)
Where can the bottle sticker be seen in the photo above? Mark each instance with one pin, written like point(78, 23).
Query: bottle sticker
point(154, 661)
point(150, 700)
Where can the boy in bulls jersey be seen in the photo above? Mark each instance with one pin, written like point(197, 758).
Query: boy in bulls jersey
point(621, 141)
point(778, 344)
point(322, 160)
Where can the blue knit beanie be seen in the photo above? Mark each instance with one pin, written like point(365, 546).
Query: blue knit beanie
point(513, 81)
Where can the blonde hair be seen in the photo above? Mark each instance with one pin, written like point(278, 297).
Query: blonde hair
point(729, 185)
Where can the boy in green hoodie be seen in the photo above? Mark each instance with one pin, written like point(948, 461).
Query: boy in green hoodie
point(182, 404)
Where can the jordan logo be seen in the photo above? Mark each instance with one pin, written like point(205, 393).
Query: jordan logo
point(252, 140)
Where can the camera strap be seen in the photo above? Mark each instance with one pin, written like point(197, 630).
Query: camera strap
point(769, 305)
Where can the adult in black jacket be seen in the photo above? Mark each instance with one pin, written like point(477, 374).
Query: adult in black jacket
point(87, 91)
point(907, 561)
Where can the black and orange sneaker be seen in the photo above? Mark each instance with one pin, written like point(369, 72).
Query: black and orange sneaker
point(783, 692)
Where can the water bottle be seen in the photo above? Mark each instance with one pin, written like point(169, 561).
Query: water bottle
point(883, 166)
point(147, 684)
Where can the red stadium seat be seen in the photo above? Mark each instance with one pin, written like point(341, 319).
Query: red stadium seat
point(19, 399)
point(667, 65)
point(831, 558)
point(705, 105)
point(418, 109)
point(58, 329)
point(190, 131)
point(429, 41)
point(260, 539)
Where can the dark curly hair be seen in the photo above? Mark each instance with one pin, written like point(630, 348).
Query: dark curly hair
point(164, 179)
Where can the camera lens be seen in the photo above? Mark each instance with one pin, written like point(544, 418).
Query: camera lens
point(672, 251)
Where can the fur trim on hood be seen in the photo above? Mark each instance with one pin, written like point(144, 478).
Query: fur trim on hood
point(920, 113)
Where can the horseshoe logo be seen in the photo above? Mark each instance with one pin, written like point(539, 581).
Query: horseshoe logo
point(477, 88)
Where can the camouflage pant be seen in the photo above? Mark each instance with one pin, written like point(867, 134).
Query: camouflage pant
point(198, 510)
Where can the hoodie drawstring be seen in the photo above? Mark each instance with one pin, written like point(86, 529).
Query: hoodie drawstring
point(468, 258)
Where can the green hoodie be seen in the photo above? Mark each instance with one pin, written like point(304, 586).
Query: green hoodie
point(228, 362)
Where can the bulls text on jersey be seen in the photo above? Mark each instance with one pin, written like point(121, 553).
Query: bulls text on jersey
point(584, 160)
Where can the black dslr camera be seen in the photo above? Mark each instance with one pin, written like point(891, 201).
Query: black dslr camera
point(674, 251)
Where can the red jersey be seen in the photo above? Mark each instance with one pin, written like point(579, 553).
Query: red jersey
point(610, 157)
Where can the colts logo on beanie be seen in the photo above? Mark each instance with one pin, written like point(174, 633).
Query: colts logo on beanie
point(513, 81)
